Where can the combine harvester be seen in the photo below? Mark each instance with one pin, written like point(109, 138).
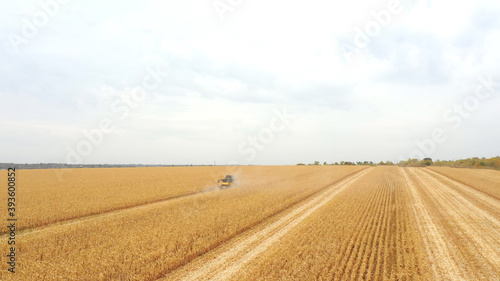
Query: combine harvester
point(226, 182)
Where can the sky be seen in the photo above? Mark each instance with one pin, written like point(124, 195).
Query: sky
point(248, 82)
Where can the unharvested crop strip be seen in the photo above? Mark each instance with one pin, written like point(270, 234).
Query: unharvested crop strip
point(102, 214)
point(119, 189)
point(111, 212)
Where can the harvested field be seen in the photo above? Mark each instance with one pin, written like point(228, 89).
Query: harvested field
point(462, 231)
point(278, 223)
point(485, 180)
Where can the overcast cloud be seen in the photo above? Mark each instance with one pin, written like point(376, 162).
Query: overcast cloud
point(258, 83)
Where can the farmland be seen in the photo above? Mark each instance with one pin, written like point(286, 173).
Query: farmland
point(48, 198)
point(487, 181)
point(278, 222)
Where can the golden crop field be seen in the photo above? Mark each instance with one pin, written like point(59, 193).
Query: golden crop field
point(146, 241)
point(487, 181)
point(365, 233)
point(84, 192)
point(48, 198)
point(277, 223)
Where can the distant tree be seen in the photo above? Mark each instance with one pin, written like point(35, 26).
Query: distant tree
point(300, 164)
point(316, 162)
point(324, 163)
point(381, 163)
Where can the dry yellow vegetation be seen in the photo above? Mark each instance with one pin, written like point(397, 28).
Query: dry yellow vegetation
point(487, 181)
point(279, 222)
point(83, 192)
point(367, 232)
point(386, 223)
point(146, 242)
point(459, 226)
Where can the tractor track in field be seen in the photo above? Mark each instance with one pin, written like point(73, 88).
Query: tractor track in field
point(227, 259)
point(460, 226)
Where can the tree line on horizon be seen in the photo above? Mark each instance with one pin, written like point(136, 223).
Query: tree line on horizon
point(368, 163)
point(473, 162)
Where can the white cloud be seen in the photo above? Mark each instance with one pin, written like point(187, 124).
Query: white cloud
point(225, 78)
